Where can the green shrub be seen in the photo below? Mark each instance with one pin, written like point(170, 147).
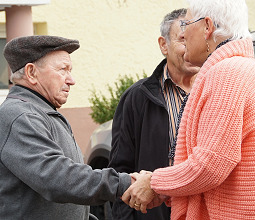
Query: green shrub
point(103, 108)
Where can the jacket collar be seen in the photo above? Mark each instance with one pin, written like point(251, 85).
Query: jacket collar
point(152, 83)
point(151, 86)
point(26, 95)
point(39, 95)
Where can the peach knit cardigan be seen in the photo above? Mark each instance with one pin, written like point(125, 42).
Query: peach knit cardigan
point(213, 176)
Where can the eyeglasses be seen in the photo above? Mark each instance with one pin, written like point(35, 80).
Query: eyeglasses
point(184, 23)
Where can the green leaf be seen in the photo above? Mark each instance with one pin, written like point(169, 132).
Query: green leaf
point(103, 108)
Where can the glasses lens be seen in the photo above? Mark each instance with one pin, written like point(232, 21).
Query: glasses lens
point(182, 25)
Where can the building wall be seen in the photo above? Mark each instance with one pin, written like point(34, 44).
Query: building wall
point(117, 37)
point(251, 8)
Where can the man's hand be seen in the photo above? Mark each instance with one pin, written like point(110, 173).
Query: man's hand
point(140, 194)
point(157, 201)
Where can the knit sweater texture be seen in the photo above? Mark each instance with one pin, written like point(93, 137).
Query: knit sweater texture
point(213, 176)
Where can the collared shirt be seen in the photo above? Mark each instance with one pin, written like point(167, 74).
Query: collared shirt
point(174, 96)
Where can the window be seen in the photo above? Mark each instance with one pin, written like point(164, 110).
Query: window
point(39, 28)
point(4, 82)
point(4, 79)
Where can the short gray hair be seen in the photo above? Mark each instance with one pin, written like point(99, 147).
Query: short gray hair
point(168, 20)
point(17, 75)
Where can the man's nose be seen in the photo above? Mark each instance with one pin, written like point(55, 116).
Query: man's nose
point(70, 80)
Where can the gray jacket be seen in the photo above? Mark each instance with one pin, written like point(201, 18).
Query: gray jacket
point(42, 175)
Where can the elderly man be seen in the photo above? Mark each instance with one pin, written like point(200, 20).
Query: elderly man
point(42, 175)
point(144, 123)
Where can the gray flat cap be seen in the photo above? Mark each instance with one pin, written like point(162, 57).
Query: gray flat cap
point(22, 50)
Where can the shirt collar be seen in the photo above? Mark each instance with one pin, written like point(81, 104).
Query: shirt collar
point(167, 81)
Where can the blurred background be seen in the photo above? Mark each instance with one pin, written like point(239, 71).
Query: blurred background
point(117, 37)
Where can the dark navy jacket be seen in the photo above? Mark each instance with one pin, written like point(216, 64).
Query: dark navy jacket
point(140, 138)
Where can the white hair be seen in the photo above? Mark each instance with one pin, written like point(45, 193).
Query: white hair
point(230, 17)
point(19, 74)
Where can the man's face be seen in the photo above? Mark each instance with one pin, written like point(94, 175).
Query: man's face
point(54, 77)
point(176, 51)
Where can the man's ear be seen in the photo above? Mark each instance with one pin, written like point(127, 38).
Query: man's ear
point(209, 27)
point(30, 72)
point(162, 45)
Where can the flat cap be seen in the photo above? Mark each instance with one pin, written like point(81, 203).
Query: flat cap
point(22, 50)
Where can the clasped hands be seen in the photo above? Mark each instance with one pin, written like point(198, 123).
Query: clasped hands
point(140, 195)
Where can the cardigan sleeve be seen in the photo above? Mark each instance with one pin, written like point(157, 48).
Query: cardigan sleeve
point(209, 141)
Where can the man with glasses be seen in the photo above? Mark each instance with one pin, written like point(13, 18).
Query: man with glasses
point(144, 125)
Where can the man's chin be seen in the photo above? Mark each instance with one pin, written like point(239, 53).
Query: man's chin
point(58, 104)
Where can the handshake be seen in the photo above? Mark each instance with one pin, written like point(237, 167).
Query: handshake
point(139, 195)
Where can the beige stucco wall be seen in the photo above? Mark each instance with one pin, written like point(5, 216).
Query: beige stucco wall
point(117, 37)
point(251, 7)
